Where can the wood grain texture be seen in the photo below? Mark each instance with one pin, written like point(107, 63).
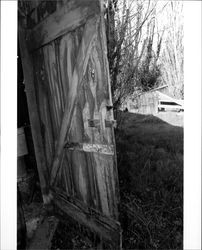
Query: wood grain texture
point(102, 33)
point(67, 18)
point(33, 113)
point(79, 69)
point(108, 228)
point(71, 81)
point(42, 93)
point(74, 100)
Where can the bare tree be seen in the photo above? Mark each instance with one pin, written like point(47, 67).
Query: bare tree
point(172, 56)
point(130, 52)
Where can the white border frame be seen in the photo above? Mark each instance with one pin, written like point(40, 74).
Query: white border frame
point(192, 125)
point(8, 170)
point(192, 163)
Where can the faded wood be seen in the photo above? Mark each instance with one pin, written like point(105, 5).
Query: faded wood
point(42, 92)
point(92, 175)
point(74, 105)
point(33, 115)
point(79, 70)
point(110, 104)
point(67, 18)
point(108, 228)
point(51, 72)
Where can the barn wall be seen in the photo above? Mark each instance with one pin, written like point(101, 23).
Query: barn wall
point(146, 103)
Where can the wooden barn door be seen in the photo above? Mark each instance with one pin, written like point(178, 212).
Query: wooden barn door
point(64, 57)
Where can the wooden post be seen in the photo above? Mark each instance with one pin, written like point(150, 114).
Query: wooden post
point(104, 48)
point(33, 115)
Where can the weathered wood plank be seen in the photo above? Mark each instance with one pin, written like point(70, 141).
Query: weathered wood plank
point(58, 76)
point(89, 147)
point(33, 114)
point(65, 65)
point(101, 167)
point(106, 227)
point(42, 95)
point(71, 15)
point(78, 93)
point(110, 115)
point(67, 176)
point(49, 59)
point(50, 94)
point(79, 71)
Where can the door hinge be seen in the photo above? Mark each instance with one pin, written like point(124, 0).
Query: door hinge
point(110, 123)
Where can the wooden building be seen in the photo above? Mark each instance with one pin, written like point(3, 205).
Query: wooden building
point(147, 102)
point(66, 75)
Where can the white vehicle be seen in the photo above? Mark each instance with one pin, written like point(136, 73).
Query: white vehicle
point(165, 105)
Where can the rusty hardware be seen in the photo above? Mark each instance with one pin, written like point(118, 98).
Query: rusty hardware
point(108, 107)
point(111, 123)
point(93, 123)
point(93, 74)
point(88, 147)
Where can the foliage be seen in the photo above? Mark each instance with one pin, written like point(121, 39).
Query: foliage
point(132, 60)
point(172, 57)
point(147, 78)
point(145, 48)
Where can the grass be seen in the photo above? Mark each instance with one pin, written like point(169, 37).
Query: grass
point(150, 165)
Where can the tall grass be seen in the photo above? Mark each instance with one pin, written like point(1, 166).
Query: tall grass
point(150, 164)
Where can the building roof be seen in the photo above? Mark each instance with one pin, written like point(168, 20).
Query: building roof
point(168, 98)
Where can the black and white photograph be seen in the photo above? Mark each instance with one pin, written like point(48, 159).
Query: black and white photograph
point(100, 112)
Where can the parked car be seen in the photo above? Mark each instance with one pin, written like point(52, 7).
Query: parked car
point(164, 105)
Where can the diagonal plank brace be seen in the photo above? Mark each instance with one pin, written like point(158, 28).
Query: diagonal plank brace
point(88, 147)
point(88, 38)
